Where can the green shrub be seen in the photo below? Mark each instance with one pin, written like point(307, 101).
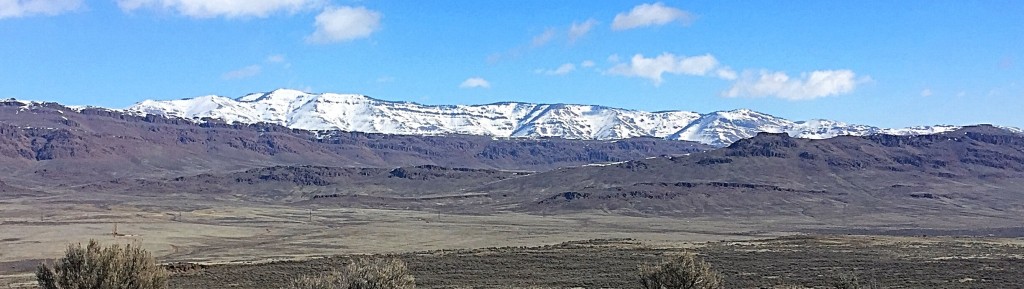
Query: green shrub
point(680, 272)
point(113, 267)
point(362, 273)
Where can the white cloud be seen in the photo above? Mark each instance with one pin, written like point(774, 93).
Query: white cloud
point(385, 79)
point(222, 8)
point(587, 64)
point(561, 70)
point(654, 68)
point(817, 84)
point(578, 30)
point(340, 24)
point(650, 15)
point(23, 8)
point(726, 73)
point(926, 92)
point(475, 82)
point(543, 38)
point(244, 72)
point(614, 58)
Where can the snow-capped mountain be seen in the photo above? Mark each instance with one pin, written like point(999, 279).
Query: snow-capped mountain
point(353, 112)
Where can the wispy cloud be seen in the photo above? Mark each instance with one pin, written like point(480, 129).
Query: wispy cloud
point(551, 34)
point(578, 30)
point(25, 8)
point(276, 58)
point(813, 85)
point(587, 64)
point(279, 60)
point(543, 38)
point(340, 24)
point(561, 70)
point(666, 63)
point(273, 61)
point(651, 15)
point(243, 73)
point(475, 82)
point(926, 92)
point(222, 8)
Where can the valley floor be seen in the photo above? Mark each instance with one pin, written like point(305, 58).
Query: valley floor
point(249, 239)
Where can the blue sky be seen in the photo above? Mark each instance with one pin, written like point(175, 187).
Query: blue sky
point(886, 63)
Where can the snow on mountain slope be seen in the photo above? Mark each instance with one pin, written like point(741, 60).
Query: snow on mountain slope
point(352, 112)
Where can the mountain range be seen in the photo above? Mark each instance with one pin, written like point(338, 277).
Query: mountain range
point(360, 113)
point(53, 143)
point(969, 176)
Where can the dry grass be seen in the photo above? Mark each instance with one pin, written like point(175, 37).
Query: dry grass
point(362, 273)
point(851, 281)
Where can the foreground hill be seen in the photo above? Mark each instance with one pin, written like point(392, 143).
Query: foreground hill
point(353, 112)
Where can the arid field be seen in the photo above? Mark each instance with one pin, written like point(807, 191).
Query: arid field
point(249, 245)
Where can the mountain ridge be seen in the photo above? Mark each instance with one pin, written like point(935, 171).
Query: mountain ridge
point(361, 113)
point(48, 142)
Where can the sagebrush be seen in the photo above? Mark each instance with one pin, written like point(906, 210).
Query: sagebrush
point(362, 273)
point(684, 271)
point(98, 267)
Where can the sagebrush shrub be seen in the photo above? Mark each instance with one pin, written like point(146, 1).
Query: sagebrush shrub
point(362, 273)
point(680, 272)
point(97, 267)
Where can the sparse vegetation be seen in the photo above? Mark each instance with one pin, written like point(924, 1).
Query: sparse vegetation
point(685, 271)
point(112, 267)
point(796, 262)
point(851, 281)
point(333, 280)
point(362, 273)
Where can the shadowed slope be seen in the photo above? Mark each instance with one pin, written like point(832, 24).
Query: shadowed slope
point(975, 170)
